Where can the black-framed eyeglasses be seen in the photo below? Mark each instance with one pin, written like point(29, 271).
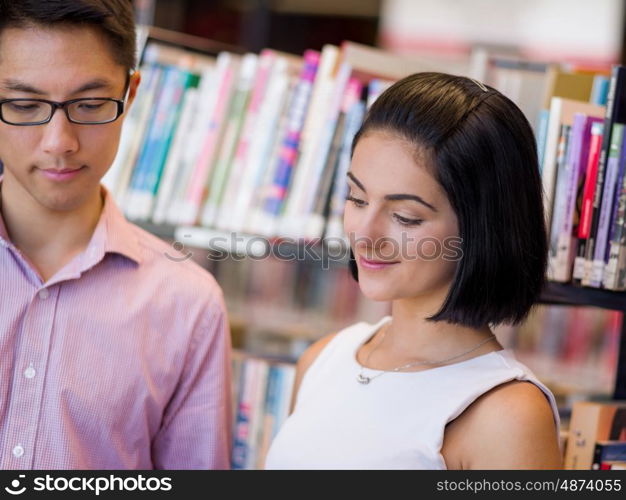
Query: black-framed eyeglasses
point(83, 111)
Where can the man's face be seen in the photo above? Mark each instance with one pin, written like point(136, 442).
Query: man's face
point(59, 164)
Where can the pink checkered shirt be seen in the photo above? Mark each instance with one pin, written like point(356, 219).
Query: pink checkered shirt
point(121, 360)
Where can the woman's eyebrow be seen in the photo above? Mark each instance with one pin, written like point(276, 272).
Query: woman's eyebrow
point(356, 181)
point(414, 197)
point(394, 197)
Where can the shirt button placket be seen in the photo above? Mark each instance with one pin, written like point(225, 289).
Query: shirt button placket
point(18, 451)
point(25, 410)
point(30, 372)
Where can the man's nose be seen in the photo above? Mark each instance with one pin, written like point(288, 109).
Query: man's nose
point(60, 135)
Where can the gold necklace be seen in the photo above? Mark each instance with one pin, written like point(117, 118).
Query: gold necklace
point(362, 379)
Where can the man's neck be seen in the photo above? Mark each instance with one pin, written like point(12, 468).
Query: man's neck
point(49, 239)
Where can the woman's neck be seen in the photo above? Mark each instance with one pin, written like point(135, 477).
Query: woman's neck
point(411, 335)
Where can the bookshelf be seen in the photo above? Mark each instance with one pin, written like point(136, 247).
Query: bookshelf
point(279, 325)
point(191, 42)
point(362, 58)
point(568, 295)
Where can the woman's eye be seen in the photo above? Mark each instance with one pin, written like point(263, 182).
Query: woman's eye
point(406, 221)
point(356, 201)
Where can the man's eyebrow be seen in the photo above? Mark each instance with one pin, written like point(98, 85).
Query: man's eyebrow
point(18, 86)
point(394, 197)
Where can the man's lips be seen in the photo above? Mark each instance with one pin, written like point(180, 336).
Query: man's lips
point(62, 170)
point(64, 174)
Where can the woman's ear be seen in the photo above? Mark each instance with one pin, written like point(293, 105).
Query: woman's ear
point(352, 265)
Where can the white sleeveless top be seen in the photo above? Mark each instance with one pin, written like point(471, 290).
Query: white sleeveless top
point(396, 421)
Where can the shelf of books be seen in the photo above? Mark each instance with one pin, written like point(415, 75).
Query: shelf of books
point(239, 159)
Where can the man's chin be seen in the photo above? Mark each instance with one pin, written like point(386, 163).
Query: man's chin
point(63, 202)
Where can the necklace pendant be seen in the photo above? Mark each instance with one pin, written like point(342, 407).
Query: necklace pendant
point(362, 379)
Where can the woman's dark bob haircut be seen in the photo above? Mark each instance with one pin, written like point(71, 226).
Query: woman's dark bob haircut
point(483, 154)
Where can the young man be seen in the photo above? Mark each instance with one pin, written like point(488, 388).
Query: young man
point(112, 356)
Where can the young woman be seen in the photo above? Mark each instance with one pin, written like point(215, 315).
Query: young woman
point(446, 222)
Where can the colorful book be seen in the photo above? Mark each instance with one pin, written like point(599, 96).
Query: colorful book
point(293, 220)
point(376, 87)
point(542, 131)
point(243, 445)
point(584, 226)
point(262, 147)
point(322, 171)
point(249, 129)
point(147, 174)
point(277, 193)
point(606, 209)
point(615, 270)
point(560, 197)
point(272, 395)
point(134, 129)
point(563, 263)
point(255, 435)
point(242, 417)
point(332, 169)
point(259, 222)
point(171, 204)
point(608, 451)
point(354, 119)
point(592, 422)
point(562, 112)
point(215, 187)
point(615, 112)
point(210, 135)
point(171, 170)
point(576, 86)
point(600, 90)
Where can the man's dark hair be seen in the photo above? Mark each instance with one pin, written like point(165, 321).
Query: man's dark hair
point(113, 18)
point(483, 154)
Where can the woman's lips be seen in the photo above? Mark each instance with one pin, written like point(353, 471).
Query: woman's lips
point(375, 264)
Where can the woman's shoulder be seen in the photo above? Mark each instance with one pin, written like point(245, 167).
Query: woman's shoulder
point(305, 360)
point(511, 426)
point(313, 351)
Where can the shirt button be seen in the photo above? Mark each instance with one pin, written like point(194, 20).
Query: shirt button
point(44, 294)
point(18, 451)
point(30, 372)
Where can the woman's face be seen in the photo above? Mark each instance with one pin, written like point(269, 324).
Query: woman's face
point(402, 229)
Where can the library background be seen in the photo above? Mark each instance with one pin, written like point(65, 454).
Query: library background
point(236, 150)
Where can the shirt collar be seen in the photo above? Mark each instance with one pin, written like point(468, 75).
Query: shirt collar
point(4, 237)
point(120, 235)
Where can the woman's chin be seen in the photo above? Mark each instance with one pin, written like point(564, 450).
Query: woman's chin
point(376, 292)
